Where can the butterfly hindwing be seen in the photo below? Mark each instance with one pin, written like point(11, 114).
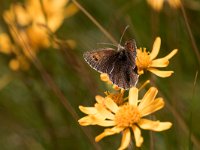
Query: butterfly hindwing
point(123, 74)
point(131, 48)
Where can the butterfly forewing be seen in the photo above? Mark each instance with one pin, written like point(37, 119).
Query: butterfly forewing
point(101, 60)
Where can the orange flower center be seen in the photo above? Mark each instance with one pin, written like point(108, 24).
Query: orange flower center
point(143, 59)
point(117, 97)
point(127, 115)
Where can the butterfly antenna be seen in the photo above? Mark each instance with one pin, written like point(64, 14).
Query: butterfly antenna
point(123, 34)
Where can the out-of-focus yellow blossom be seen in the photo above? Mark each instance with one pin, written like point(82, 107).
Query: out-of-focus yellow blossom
point(126, 117)
point(5, 44)
point(27, 20)
point(147, 61)
point(14, 64)
point(158, 4)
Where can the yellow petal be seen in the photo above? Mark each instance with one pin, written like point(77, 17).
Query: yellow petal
point(148, 98)
point(155, 49)
point(160, 73)
point(14, 64)
point(104, 112)
point(125, 139)
point(99, 99)
point(90, 120)
point(138, 137)
point(171, 54)
point(157, 104)
point(110, 104)
point(55, 4)
point(88, 110)
point(85, 121)
point(55, 22)
point(70, 10)
point(174, 3)
point(154, 125)
point(140, 71)
point(106, 123)
point(161, 62)
point(133, 96)
point(5, 43)
point(104, 77)
point(21, 14)
point(156, 4)
point(108, 132)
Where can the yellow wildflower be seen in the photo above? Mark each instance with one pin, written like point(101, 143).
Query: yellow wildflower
point(158, 4)
point(5, 44)
point(31, 14)
point(126, 117)
point(25, 20)
point(146, 60)
point(93, 115)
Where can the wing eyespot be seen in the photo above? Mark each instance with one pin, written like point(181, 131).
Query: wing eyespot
point(95, 58)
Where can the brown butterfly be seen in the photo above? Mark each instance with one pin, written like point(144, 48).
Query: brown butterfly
point(118, 64)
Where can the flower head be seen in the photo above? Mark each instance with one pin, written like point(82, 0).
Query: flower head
point(146, 60)
point(126, 117)
point(158, 4)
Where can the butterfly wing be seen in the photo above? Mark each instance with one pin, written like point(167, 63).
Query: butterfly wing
point(101, 60)
point(123, 73)
point(131, 51)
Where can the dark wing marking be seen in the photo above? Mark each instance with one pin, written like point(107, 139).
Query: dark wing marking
point(101, 60)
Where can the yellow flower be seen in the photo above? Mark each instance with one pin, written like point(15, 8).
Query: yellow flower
point(93, 115)
point(126, 117)
point(31, 14)
point(158, 4)
point(25, 20)
point(5, 44)
point(146, 60)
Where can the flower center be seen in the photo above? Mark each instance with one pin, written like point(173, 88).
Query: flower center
point(127, 115)
point(143, 59)
point(117, 97)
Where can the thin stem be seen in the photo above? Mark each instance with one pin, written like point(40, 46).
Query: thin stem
point(107, 34)
point(144, 84)
point(191, 113)
point(194, 45)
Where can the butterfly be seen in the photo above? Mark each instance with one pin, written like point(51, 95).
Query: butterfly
point(118, 64)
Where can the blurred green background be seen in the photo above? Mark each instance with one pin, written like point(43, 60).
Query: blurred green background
point(34, 117)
